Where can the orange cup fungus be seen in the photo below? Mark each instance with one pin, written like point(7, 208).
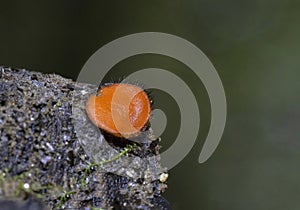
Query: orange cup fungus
point(120, 109)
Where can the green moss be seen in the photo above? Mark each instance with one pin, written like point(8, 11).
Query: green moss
point(65, 196)
point(88, 169)
point(23, 184)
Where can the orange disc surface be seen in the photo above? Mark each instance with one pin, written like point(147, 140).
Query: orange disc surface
point(120, 109)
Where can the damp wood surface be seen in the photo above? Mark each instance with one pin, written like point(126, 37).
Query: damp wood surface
point(45, 161)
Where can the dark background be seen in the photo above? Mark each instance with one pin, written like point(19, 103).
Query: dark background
point(255, 47)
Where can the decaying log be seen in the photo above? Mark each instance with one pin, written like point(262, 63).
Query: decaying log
point(50, 151)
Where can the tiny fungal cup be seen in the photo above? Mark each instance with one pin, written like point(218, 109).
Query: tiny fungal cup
point(119, 109)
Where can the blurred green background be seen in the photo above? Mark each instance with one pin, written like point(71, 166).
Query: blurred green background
point(255, 47)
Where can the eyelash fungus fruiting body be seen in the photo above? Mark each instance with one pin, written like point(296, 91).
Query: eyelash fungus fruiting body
point(120, 109)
